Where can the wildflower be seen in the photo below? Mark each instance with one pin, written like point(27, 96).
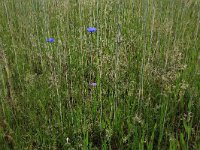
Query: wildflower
point(50, 40)
point(93, 84)
point(91, 29)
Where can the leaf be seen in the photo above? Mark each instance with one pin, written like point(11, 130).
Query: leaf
point(183, 144)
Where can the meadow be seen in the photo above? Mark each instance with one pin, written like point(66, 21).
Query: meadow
point(132, 81)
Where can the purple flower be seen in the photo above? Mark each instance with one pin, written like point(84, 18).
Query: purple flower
point(93, 84)
point(91, 29)
point(50, 40)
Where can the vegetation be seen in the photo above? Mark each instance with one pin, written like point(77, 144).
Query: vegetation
point(133, 83)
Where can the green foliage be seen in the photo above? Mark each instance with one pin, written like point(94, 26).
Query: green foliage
point(144, 58)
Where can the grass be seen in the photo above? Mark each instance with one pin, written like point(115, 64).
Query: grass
point(144, 58)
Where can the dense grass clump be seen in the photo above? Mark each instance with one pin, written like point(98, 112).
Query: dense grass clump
point(100, 74)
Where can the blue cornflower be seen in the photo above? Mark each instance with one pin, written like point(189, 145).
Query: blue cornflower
point(93, 84)
point(91, 29)
point(50, 40)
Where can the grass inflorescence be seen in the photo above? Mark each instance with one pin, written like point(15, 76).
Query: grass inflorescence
point(100, 74)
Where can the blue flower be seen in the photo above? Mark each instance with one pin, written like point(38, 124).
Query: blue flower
point(91, 29)
point(50, 40)
point(93, 84)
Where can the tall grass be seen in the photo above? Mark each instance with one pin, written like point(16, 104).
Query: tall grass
point(144, 58)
